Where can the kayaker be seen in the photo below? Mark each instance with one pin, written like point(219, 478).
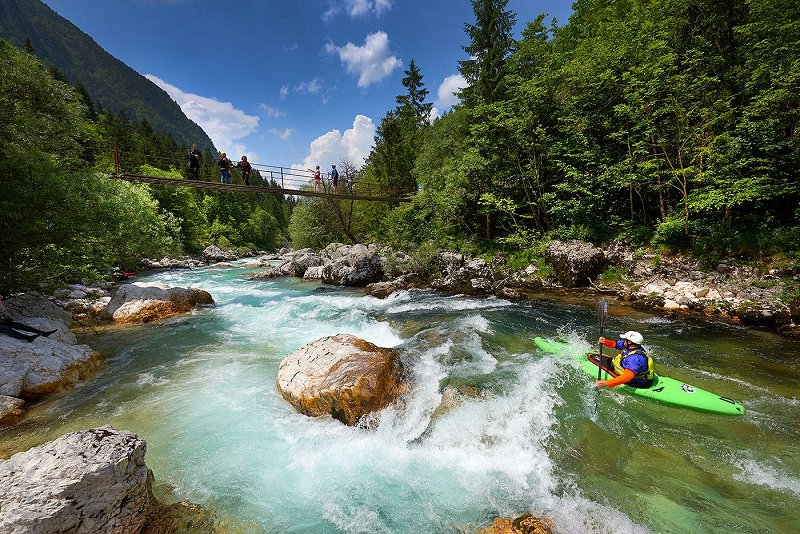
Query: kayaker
point(632, 365)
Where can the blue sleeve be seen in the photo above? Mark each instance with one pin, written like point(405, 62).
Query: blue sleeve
point(620, 344)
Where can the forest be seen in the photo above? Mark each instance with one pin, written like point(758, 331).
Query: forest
point(65, 219)
point(670, 124)
point(663, 123)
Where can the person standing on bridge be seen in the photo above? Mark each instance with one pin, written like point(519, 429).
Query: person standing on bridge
point(224, 168)
point(245, 167)
point(194, 163)
point(317, 178)
point(334, 178)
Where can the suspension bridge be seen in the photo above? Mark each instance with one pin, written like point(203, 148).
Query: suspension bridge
point(278, 180)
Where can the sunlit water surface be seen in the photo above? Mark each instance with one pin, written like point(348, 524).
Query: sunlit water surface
point(200, 389)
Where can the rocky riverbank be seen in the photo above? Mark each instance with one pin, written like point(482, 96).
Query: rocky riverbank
point(728, 291)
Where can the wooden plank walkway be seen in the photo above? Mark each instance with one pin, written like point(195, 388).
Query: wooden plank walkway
point(344, 195)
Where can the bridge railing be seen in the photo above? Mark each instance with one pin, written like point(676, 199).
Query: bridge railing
point(270, 176)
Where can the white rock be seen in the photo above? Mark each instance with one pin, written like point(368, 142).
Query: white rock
point(313, 273)
point(43, 366)
point(87, 482)
point(671, 304)
point(142, 301)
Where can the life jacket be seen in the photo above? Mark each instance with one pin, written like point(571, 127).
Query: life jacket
point(644, 378)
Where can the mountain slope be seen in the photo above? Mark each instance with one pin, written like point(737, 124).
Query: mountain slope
point(109, 81)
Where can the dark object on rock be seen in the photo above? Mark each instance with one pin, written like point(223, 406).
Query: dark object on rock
point(576, 263)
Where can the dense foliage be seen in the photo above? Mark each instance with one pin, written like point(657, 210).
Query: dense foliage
point(110, 82)
point(671, 123)
point(65, 219)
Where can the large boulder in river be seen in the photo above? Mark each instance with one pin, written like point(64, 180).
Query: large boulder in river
point(576, 263)
point(83, 482)
point(142, 302)
point(342, 376)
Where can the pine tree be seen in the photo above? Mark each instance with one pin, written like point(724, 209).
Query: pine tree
point(413, 103)
point(491, 43)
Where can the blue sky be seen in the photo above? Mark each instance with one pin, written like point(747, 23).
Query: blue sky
point(290, 82)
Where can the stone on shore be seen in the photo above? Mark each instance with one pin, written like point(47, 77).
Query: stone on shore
point(34, 304)
point(576, 263)
point(214, 253)
point(350, 265)
point(44, 366)
point(142, 302)
point(83, 482)
point(341, 376)
point(299, 261)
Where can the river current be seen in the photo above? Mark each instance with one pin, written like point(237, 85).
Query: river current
point(200, 389)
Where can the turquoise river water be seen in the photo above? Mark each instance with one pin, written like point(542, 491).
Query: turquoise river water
point(200, 389)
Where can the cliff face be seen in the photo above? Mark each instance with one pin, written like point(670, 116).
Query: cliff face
point(109, 81)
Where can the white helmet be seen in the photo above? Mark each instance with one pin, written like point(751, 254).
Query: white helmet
point(633, 337)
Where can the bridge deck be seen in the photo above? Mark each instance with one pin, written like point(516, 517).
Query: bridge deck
point(345, 195)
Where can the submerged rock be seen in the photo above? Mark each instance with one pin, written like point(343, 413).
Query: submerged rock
point(142, 302)
point(83, 482)
point(342, 376)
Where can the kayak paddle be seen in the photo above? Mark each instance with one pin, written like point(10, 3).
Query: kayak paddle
point(601, 312)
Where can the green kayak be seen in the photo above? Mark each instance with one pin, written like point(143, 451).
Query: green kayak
point(665, 390)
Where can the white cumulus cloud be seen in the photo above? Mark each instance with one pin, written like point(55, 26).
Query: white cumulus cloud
point(223, 123)
point(353, 145)
point(284, 91)
point(446, 95)
point(372, 62)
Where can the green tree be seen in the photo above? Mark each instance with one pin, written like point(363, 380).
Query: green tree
point(491, 42)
